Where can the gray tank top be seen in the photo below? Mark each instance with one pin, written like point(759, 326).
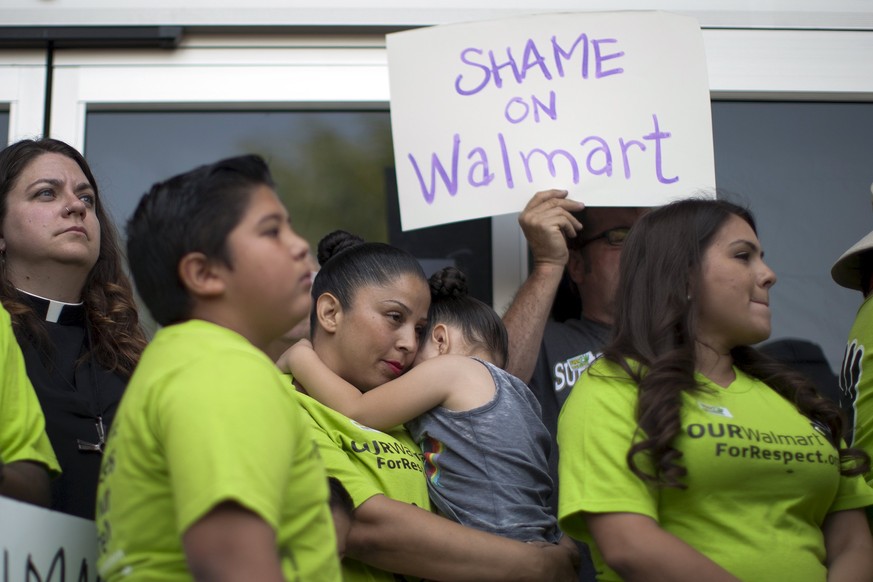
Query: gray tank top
point(487, 468)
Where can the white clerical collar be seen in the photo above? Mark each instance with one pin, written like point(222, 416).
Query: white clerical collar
point(55, 308)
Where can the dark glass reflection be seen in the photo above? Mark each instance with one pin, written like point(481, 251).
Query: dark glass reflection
point(4, 128)
point(334, 169)
point(329, 165)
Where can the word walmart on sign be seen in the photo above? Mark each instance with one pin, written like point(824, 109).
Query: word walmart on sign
point(594, 156)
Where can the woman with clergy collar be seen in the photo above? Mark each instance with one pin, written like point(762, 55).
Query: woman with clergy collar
point(72, 306)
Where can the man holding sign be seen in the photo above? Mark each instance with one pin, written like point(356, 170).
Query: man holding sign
point(547, 354)
point(550, 355)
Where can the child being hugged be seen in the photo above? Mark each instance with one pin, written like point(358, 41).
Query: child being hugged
point(211, 471)
point(479, 428)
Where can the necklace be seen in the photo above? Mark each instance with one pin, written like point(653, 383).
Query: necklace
point(101, 438)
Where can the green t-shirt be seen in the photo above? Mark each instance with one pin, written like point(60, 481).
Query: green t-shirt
point(856, 380)
point(208, 418)
point(22, 423)
point(761, 477)
point(368, 462)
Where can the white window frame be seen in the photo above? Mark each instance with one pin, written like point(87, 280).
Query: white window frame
point(22, 90)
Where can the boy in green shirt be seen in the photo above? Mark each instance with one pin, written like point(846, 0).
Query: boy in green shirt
point(211, 471)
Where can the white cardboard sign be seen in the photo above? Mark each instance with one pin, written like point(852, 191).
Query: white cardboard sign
point(612, 106)
point(45, 546)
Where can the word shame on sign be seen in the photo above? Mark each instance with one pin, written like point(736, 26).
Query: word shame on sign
point(532, 59)
point(612, 106)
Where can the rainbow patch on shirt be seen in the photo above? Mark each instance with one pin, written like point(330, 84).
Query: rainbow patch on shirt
point(432, 448)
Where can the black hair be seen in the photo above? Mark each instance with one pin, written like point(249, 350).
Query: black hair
point(348, 264)
point(191, 212)
point(452, 305)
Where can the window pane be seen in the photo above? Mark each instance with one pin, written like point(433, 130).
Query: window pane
point(4, 128)
point(329, 166)
point(805, 170)
point(333, 169)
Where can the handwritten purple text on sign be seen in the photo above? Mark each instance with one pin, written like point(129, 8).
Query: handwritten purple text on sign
point(572, 104)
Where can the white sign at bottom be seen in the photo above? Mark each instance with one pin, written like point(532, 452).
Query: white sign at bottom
point(39, 545)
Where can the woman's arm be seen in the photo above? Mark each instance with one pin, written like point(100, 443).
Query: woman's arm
point(25, 481)
point(849, 546)
point(231, 543)
point(402, 538)
point(636, 547)
point(427, 385)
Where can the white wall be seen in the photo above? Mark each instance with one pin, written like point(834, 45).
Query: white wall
point(821, 14)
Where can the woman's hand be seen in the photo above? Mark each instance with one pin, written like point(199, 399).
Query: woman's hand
point(562, 560)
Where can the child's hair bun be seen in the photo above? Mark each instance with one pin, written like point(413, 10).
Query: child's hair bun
point(448, 282)
point(334, 243)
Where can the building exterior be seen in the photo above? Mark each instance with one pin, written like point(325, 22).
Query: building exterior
point(102, 74)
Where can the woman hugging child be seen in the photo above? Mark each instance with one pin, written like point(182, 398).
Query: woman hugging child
point(479, 428)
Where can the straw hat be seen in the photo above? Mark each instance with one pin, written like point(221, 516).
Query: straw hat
point(847, 270)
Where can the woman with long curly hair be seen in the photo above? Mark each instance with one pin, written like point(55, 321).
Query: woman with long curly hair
point(72, 306)
point(685, 453)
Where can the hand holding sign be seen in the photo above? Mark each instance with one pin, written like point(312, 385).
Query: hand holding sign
point(547, 223)
point(614, 106)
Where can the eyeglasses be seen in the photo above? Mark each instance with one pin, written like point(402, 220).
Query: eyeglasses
point(614, 236)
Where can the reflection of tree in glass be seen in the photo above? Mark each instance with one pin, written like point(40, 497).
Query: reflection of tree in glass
point(331, 174)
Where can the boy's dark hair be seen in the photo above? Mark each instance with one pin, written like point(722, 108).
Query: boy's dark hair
point(479, 323)
point(190, 212)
